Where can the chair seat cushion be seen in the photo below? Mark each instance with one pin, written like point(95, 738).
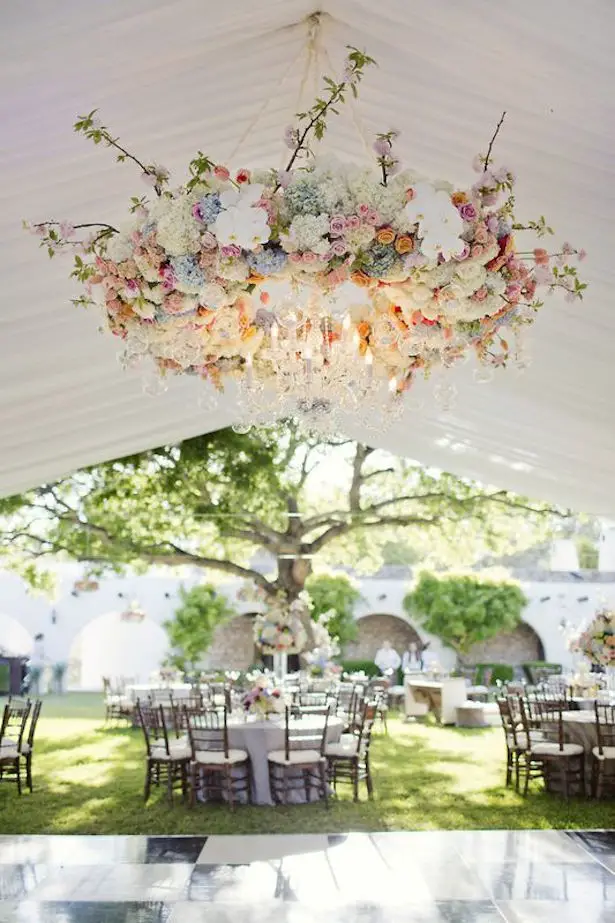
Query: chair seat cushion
point(535, 738)
point(545, 748)
point(344, 748)
point(608, 753)
point(217, 758)
point(8, 750)
point(178, 750)
point(296, 757)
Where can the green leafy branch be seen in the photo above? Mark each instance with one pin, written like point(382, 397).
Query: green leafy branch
point(540, 227)
point(334, 93)
point(198, 167)
point(90, 126)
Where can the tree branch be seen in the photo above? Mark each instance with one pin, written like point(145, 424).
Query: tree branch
point(354, 494)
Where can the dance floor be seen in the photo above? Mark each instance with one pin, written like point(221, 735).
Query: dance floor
point(439, 877)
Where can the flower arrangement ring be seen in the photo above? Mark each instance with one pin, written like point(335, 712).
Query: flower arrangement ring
point(331, 285)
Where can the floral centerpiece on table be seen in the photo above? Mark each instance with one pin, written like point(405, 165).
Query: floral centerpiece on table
point(278, 630)
point(597, 641)
point(264, 698)
point(287, 277)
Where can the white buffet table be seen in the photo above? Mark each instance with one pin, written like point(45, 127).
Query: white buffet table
point(442, 696)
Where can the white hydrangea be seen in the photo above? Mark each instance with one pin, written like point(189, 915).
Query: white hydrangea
point(120, 247)
point(149, 273)
point(360, 238)
point(214, 296)
point(305, 233)
point(234, 270)
point(153, 293)
point(178, 232)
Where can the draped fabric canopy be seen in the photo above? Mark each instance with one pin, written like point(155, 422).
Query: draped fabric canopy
point(174, 76)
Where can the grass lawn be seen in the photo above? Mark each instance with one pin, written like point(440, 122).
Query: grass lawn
point(89, 779)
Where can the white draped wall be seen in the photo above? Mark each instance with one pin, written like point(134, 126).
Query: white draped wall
point(173, 76)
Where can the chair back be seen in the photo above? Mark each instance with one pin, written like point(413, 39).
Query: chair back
point(153, 724)
point(369, 713)
point(208, 730)
point(605, 726)
point(34, 716)
point(14, 720)
point(547, 713)
point(298, 741)
point(510, 716)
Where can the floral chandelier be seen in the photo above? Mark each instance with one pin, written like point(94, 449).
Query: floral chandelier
point(322, 289)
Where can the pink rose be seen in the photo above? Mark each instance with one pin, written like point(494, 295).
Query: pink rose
point(221, 172)
point(174, 304)
point(463, 254)
point(513, 291)
point(481, 234)
point(480, 294)
point(309, 257)
point(353, 222)
point(339, 247)
point(243, 176)
point(363, 210)
point(373, 218)
point(168, 278)
point(493, 223)
point(477, 250)
point(337, 225)
point(467, 211)
point(208, 241)
point(230, 250)
point(294, 257)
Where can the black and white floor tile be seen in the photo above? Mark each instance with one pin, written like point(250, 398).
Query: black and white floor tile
point(439, 877)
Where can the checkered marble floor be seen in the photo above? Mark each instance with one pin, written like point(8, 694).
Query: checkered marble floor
point(474, 877)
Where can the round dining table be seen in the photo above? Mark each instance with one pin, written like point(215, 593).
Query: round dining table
point(260, 738)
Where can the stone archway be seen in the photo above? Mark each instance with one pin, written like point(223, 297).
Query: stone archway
point(233, 645)
point(373, 629)
point(514, 647)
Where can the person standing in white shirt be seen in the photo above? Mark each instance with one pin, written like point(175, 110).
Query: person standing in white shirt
point(410, 662)
point(387, 659)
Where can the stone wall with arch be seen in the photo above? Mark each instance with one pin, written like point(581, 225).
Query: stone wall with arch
point(374, 628)
point(512, 647)
point(233, 645)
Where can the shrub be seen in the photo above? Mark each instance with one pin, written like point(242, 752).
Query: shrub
point(489, 674)
point(360, 666)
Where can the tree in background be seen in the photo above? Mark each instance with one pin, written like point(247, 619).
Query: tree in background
point(339, 592)
point(464, 609)
point(191, 630)
point(211, 502)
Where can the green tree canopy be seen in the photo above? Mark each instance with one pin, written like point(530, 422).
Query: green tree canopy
point(339, 592)
point(191, 630)
point(464, 609)
point(211, 502)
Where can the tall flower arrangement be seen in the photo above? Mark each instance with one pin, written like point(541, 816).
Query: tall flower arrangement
point(278, 630)
point(597, 641)
point(209, 278)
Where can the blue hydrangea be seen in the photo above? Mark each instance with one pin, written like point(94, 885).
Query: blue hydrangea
point(148, 228)
point(304, 198)
point(267, 261)
point(188, 272)
point(209, 207)
point(379, 260)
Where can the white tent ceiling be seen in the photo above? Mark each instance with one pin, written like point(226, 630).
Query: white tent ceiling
point(173, 76)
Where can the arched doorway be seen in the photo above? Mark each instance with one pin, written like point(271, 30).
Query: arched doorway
point(520, 645)
point(373, 629)
point(15, 640)
point(111, 646)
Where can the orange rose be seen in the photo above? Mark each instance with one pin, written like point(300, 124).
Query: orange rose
point(404, 244)
point(410, 194)
point(360, 278)
point(363, 329)
point(385, 236)
point(458, 198)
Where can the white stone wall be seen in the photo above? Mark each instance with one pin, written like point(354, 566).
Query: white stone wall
point(107, 647)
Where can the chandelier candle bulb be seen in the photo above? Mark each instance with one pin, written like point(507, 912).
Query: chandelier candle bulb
point(200, 277)
point(369, 364)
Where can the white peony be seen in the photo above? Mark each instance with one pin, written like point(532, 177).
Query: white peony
point(241, 222)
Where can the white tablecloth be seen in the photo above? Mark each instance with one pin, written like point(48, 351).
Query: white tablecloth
point(261, 737)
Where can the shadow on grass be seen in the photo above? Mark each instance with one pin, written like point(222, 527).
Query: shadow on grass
point(422, 781)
